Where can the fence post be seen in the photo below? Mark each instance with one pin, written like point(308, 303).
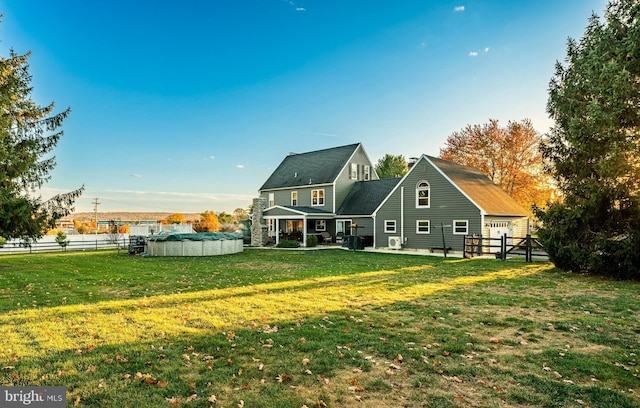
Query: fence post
point(529, 249)
point(464, 246)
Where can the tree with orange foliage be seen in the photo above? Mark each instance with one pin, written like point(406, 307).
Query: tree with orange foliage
point(509, 156)
point(175, 219)
point(208, 222)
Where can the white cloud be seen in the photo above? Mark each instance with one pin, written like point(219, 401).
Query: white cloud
point(486, 49)
point(136, 175)
point(473, 54)
point(458, 9)
point(240, 166)
point(301, 9)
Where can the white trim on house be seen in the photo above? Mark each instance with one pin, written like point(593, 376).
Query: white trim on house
point(453, 227)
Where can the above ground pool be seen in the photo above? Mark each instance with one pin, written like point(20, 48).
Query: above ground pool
point(200, 244)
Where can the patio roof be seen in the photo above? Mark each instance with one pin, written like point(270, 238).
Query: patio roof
point(297, 211)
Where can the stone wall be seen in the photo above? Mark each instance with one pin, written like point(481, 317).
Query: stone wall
point(258, 226)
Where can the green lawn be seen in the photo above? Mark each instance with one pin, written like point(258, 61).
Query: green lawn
point(272, 328)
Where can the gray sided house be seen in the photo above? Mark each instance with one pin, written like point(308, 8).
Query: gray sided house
point(438, 202)
point(336, 192)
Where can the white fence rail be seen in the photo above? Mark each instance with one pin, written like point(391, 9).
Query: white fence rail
point(74, 243)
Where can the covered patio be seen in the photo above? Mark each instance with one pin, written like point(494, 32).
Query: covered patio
point(298, 223)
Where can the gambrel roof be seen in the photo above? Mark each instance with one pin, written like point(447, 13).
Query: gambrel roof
point(317, 167)
point(489, 197)
point(365, 196)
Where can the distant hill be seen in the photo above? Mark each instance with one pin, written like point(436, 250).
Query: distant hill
point(127, 216)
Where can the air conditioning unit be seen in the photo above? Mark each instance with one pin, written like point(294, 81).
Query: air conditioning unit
point(395, 243)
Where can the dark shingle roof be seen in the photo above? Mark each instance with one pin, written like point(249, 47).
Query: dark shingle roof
point(365, 196)
point(475, 184)
point(318, 167)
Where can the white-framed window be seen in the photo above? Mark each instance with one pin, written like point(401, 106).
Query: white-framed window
point(272, 199)
point(321, 225)
point(354, 171)
point(294, 198)
point(367, 172)
point(317, 197)
point(423, 194)
point(460, 227)
point(423, 227)
point(390, 226)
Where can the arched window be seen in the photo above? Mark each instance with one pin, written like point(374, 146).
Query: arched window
point(422, 194)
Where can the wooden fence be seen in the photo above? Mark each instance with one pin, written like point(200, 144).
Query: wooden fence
point(529, 247)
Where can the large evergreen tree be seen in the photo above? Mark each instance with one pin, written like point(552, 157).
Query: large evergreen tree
point(28, 133)
point(593, 150)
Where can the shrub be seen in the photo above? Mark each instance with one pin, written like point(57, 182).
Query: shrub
point(287, 243)
point(312, 241)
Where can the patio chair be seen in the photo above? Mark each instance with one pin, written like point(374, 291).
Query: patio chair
point(326, 237)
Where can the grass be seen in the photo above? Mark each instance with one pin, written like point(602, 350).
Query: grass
point(270, 328)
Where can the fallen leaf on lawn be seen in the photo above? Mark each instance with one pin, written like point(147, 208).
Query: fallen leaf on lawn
point(173, 401)
point(192, 397)
point(321, 378)
point(322, 404)
point(245, 386)
point(163, 384)
point(186, 357)
point(150, 380)
point(261, 367)
point(76, 402)
point(357, 370)
point(281, 378)
point(192, 384)
point(458, 398)
point(212, 398)
point(305, 361)
point(241, 404)
point(495, 340)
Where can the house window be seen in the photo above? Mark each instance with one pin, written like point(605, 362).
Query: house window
point(390, 226)
point(272, 199)
point(317, 197)
point(422, 227)
point(367, 172)
point(422, 194)
point(354, 171)
point(321, 225)
point(460, 227)
point(294, 198)
point(293, 226)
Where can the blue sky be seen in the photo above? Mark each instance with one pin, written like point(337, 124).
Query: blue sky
point(189, 106)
